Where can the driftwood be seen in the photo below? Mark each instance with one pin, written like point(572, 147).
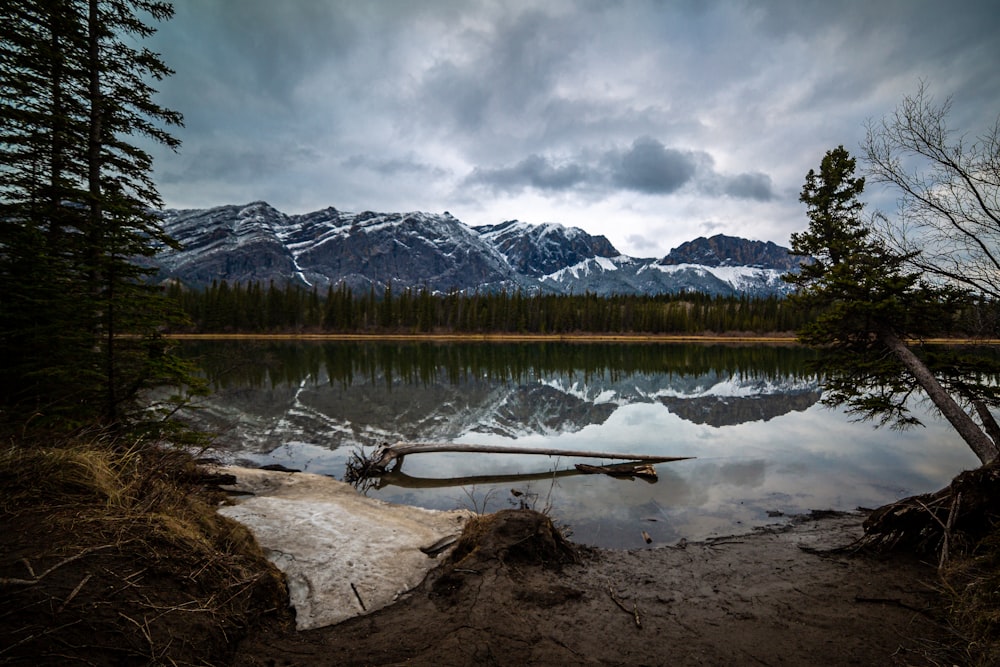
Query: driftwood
point(386, 454)
point(644, 471)
point(363, 470)
point(401, 479)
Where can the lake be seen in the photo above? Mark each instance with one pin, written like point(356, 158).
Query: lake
point(764, 445)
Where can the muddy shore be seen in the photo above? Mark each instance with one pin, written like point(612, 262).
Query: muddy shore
point(775, 597)
point(135, 570)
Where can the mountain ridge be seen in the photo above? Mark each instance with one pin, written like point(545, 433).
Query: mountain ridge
point(438, 252)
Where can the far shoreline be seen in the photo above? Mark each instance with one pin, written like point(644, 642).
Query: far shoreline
point(764, 339)
point(783, 339)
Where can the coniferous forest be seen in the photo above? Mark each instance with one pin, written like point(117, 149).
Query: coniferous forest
point(272, 308)
point(256, 308)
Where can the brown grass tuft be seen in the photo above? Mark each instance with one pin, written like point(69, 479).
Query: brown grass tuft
point(115, 554)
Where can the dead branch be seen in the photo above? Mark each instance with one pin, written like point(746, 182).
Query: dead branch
point(30, 638)
point(13, 581)
point(946, 539)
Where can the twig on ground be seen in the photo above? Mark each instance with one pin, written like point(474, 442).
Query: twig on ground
point(49, 631)
point(634, 612)
point(13, 581)
point(719, 543)
point(73, 594)
point(358, 596)
point(895, 602)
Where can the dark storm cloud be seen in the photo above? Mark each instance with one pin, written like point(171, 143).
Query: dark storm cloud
point(755, 186)
point(249, 162)
point(647, 166)
point(534, 171)
point(953, 46)
point(252, 49)
point(650, 167)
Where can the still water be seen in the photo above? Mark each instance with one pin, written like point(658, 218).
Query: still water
point(764, 446)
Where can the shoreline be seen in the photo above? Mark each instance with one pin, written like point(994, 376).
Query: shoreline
point(763, 339)
point(786, 595)
point(496, 338)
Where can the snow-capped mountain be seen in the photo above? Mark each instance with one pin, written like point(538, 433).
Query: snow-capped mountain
point(237, 243)
point(438, 252)
point(537, 250)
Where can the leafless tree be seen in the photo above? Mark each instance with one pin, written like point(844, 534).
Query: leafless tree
point(948, 221)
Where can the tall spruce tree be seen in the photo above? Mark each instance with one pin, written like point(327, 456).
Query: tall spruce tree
point(78, 321)
point(870, 306)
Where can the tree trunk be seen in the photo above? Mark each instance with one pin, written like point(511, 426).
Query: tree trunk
point(970, 431)
point(96, 240)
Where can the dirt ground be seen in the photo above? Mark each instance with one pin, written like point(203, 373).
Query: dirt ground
point(513, 592)
point(517, 597)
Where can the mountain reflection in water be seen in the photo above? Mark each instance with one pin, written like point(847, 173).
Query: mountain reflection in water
point(750, 414)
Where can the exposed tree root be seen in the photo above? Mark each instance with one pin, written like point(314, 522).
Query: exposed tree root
point(952, 520)
point(524, 536)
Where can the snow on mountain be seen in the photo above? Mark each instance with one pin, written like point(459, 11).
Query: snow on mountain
point(537, 250)
point(724, 251)
point(743, 279)
point(256, 242)
point(409, 249)
point(585, 269)
point(239, 243)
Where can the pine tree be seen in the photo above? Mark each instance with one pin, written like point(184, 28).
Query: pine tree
point(76, 202)
point(869, 307)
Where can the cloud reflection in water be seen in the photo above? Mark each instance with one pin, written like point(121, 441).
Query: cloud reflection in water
point(751, 417)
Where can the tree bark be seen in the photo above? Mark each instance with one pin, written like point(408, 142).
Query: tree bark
point(974, 436)
point(989, 423)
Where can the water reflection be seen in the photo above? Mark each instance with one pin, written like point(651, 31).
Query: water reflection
point(749, 414)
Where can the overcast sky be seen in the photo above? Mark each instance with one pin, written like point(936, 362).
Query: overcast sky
point(651, 122)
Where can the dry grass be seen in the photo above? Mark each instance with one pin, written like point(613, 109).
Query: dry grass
point(959, 528)
point(72, 474)
point(114, 554)
point(971, 584)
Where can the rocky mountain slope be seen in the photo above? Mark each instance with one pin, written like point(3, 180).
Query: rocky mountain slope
point(256, 242)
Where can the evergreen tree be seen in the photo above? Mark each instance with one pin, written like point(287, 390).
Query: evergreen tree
point(869, 307)
point(76, 202)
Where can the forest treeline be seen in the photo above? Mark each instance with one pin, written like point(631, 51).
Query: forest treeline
point(271, 308)
point(257, 308)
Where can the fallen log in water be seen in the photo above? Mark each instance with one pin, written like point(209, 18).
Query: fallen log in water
point(363, 467)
